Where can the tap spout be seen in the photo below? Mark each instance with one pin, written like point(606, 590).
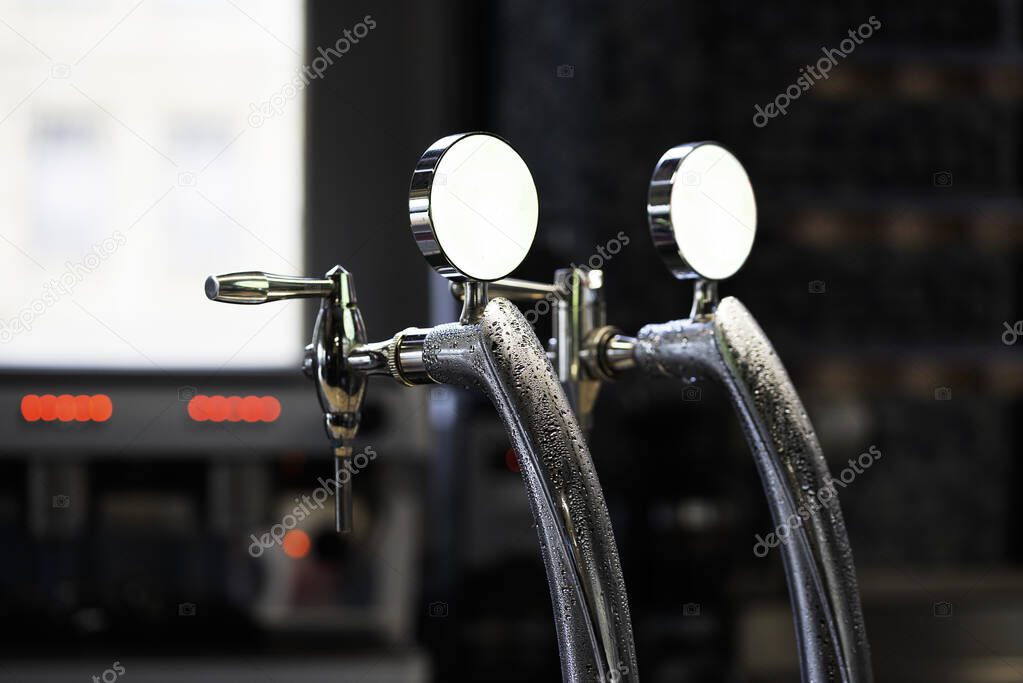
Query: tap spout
point(729, 346)
point(499, 355)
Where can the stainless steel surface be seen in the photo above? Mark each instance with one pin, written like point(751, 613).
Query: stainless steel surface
point(619, 352)
point(474, 300)
point(513, 289)
point(702, 220)
point(705, 299)
point(702, 217)
point(576, 298)
point(578, 310)
point(472, 207)
point(730, 347)
point(501, 356)
point(343, 498)
point(493, 349)
point(370, 358)
point(338, 331)
point(606, 352)
point(701, 211)
point(259, 288)
point(339, 328)
point(405, 357)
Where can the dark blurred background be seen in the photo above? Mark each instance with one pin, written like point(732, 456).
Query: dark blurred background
point(884, 271)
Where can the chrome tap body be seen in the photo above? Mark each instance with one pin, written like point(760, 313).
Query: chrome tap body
point(498, 354)
point(469, 192)
point(730, 347)
point(702, 220)
point(724, 342)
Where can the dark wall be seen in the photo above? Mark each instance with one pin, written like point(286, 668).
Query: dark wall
point(412, 80)
point(893, 182)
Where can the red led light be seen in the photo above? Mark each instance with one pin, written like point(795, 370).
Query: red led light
point(297, 544)
point(197, 408)
point(31, 408)
point(66, 408)
point(234, 408)
point(511, 460)
point(271, 408)
point(100, 407)
point(48, 407)
point(216, 409)
point(82, 408)
point(251, 409)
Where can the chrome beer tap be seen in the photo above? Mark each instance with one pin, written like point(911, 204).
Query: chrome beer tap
point(576, 300)
point(702, 219)
point(473, 212)
point(338, 331)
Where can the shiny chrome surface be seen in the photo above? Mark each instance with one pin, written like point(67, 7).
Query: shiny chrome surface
point(606, 352)
point(705, 299)
point(343, 516)
point(339, 330)
point(500, 356)
point(701, 211)
point(472, 207)
point(259, 288)
point(405, 357)
point(492, 349)
point(370, 358)
point(474, 300)
point(730, 347)
point(512, 289)
point(579, 310)
point(576, 298)
point(724, 342)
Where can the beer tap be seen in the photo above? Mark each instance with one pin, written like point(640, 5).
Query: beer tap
point(702, 219)
point(473, 211)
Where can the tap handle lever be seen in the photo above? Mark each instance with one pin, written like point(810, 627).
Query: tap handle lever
point(254, 287)
point(339, 330)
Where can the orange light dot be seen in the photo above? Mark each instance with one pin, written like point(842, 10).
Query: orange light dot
point(31, 409)
point(271, 408)
point(48, 407)
point(197, 408)
point(251, 409)
point(234, 408)
point(296, 544)
point(216, 408)
point(65, 407)
point(100, 407)
point(82, 408)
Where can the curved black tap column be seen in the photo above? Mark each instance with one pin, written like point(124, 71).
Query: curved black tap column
point(730, 346)
point(500, 355)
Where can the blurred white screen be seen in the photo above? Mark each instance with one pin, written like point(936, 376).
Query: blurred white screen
point(139, 156)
